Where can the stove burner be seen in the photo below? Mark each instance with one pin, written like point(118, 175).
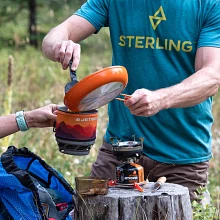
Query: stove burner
point(127, 151)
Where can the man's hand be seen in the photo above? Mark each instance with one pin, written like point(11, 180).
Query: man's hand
point(64, 51)
point(61, 43)
point(144, 102)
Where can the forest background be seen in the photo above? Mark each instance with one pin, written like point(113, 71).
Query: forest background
point(36, 81)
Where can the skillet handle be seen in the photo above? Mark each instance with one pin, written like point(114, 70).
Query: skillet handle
point(72, 73)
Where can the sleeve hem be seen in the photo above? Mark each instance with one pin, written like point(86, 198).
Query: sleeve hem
point(208, 45)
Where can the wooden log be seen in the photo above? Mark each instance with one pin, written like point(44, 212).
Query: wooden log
point(170, 202)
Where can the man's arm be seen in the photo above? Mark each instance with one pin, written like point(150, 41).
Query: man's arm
point(199, 86)
point(61, 43)
point(191, 91)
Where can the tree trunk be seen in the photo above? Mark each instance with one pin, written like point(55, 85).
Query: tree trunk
point(32, 23)
point(171, 202)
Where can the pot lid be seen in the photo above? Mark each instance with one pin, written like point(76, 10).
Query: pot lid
point(97, 89)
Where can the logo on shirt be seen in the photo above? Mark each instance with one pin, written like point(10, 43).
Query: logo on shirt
point(155, 19)
point(155, 43)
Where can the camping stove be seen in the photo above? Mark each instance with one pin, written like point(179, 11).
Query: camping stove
point(129, 152)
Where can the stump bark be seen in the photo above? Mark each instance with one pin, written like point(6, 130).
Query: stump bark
point(170, 202)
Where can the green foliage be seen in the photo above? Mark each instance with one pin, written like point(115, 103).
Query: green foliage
point(204, 212)
point(14, 17)
point(10, 9)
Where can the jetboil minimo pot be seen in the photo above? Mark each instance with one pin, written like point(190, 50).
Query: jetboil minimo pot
point(75, 132)
point(76, 124)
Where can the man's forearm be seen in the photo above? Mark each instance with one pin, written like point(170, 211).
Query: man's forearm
point(193, 90)
point(57, 34)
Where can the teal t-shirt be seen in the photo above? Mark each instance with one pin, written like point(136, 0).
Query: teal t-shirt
point(157, 41)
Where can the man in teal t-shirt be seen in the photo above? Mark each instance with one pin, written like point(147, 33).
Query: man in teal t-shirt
point(171, 52)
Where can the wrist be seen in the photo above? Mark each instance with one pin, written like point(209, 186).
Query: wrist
point(164, 97)
point(29, 119)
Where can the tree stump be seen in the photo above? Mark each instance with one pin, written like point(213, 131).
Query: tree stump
point(170, 202)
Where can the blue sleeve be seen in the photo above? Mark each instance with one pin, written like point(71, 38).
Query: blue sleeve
point(96, 12)
point(210, 33)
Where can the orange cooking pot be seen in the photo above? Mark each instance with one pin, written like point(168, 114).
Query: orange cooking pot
point(75, 132)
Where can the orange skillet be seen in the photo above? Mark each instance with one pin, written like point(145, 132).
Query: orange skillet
point(97, 89)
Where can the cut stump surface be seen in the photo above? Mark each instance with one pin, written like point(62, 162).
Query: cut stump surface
point(170, 202)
